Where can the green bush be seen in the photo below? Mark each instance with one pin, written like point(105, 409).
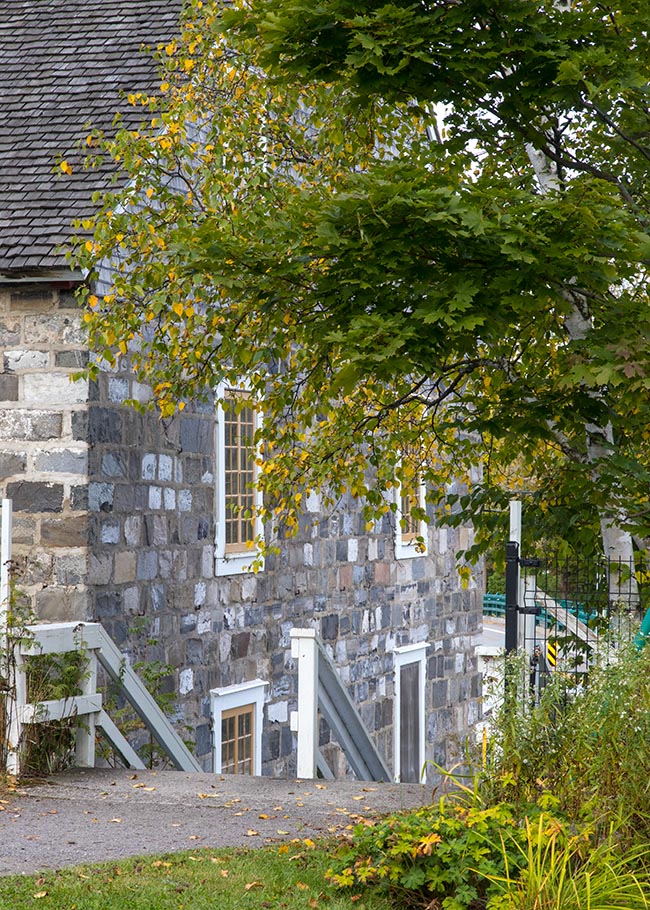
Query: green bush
point(587, 745)
point(453, 855)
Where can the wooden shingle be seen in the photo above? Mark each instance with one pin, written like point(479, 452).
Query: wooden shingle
point(63, 66)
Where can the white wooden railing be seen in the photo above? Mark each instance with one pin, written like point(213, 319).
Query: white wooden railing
point(320, 688)
point(86, 708)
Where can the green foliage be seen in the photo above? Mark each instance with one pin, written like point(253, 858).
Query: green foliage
point(157, 676)
point(444, 855)
point(570, 873)
point(585, 745)
point(423, 296)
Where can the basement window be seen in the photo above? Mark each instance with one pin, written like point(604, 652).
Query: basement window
point(237, 720)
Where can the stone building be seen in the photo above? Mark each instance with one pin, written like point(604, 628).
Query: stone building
point(119, 516)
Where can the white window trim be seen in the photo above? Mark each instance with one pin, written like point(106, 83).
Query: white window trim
point(230, 563)
point(403, 656)
point(238, 696)
point(410, 549)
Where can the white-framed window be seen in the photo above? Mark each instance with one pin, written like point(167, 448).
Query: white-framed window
point(411, 533)
point(237, 718)
point(409, 712)
point(236, 472)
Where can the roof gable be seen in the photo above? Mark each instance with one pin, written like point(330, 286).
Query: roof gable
point(63, 65)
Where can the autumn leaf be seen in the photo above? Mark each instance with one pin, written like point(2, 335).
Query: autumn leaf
point(39, 894)
point(252, 833)
point(251, 885)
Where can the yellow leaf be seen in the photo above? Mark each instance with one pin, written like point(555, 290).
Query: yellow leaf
point(251, 885)
point(65, 167)
point(178, 308)
point(117, 820)
point(39, 894)
point(280, 831)
point(302, 886)
point(252, 833)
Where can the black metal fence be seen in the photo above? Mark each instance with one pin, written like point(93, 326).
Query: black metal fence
point(567, 614)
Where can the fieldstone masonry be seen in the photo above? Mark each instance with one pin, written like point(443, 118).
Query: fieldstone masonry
point(114, 521)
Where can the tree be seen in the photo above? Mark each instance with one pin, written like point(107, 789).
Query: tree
point(418, 230)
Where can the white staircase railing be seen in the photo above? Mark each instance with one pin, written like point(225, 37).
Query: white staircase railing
point(86, 708)
point(99, 649)
point(320, 687)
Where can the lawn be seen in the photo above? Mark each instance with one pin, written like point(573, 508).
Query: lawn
point(289, 877)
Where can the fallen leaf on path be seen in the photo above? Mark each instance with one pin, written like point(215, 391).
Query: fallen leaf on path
point(252, 833)
point(280, 831)
point(195, 837)
point(321, 787)
point(116, 820)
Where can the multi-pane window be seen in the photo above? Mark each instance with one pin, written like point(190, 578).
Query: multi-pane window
point(237, 720)
point(237, 729)
point(409, 524)
point(239, 473)
point(410, 530)
point(236, 498)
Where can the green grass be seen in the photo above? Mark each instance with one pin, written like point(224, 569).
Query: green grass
point(290, 877)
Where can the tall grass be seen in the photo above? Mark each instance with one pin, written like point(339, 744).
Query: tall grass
point(586, 745)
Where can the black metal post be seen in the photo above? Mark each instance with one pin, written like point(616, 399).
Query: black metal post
point(512, 595)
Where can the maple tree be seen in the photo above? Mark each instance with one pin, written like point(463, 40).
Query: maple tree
point(418, 231)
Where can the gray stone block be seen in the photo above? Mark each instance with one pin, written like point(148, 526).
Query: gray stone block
point(65, 532)
point(74, 360)
point(100, 497)
point(12, 463)
point(8, 387)
point(115, 464)
point(66, 461)
point(16, 424)
point(29, 496)
point(147, 565)
point(104, 425)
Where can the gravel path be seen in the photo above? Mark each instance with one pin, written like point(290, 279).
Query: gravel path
point(87, 816)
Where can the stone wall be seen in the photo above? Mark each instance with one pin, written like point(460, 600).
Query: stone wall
point(43, 447)
point(114, 513)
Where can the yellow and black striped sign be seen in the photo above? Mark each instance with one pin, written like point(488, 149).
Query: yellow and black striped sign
point(551, 653)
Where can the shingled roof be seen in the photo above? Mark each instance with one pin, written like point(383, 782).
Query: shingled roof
point(63, 64)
